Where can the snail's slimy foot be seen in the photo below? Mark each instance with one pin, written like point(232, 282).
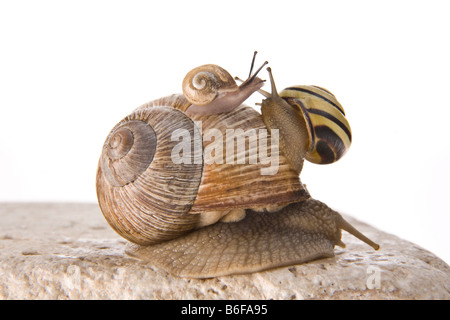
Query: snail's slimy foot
point(298, 233)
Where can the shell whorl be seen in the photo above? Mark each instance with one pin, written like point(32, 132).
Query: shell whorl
point(201, 85)
point(142, 193)
point(128, 151)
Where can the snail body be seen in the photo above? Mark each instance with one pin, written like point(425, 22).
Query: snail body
point(314, 116)
point(211, 90)
point(298, 233)
point(164, 183)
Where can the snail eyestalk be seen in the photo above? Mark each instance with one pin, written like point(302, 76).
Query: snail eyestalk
point(253, 63)
point(259, 69)
point(250, 77)
point(272, 83)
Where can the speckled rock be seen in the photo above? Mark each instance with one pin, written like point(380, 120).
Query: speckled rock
point(67, 251)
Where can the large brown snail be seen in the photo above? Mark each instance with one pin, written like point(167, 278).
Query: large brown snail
point(200, 182)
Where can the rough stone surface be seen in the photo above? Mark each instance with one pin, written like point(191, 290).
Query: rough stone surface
point(67, 251)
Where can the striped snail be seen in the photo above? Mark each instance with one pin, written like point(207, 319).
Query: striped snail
point(311, 121)
point(169, 182)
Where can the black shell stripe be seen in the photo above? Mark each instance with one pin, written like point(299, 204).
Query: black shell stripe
point(292, 101)
point(328, 127)
point(317, 95)
point(323, 89)
point(329, 145)
point(334, 119)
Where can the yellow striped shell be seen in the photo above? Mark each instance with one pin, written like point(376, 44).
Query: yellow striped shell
point(329, 130)
point(310, 121)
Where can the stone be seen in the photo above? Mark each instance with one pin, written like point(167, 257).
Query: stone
point(68, 251)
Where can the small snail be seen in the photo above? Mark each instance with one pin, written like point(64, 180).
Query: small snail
point(211, 89)
point(311, 121)
point(167, 182)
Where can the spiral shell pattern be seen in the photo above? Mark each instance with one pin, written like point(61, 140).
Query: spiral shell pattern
point(129, 150)
point(201, 85)
point(143, 194)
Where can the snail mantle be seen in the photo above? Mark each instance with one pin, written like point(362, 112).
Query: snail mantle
point(67, 251)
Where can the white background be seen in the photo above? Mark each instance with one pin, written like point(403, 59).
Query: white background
point(70, 70)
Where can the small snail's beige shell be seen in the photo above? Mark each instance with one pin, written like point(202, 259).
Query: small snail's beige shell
point(201, 85)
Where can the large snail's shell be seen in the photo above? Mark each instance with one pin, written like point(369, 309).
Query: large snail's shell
point(143, 195)
point(201, 85)
point(238, 186)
